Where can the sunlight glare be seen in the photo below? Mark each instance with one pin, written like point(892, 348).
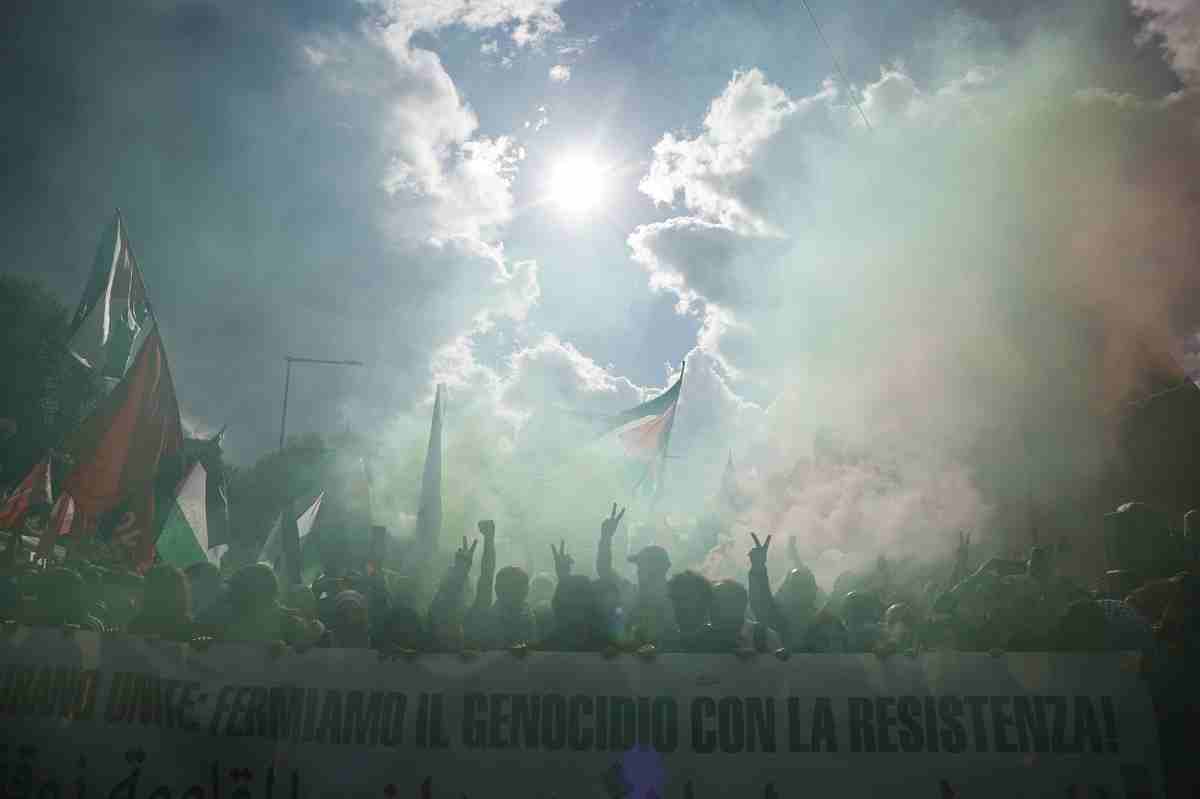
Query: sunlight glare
point(577, 183)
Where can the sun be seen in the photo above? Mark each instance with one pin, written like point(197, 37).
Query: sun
point(577, 183)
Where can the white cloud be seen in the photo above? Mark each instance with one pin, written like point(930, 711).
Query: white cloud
point(560, 73)
point(554, 370)
point(1177, 23)
point(543, 119)
point(695, 258)
point(712, 416)
point(893, 95)
point(538, 400)
point(745, 176)
point(532, 398)
point(438, 180)
point(703, 172)
point(529, 20)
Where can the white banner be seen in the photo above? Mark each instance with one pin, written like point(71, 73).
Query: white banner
point(88, 716)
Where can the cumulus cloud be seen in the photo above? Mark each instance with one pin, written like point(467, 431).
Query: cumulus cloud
point(560, 73)
point(1177, 24)
point(706, 173)
point(528, 21)
point(696, 258)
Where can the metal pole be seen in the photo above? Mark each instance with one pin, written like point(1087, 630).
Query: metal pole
point(291, 540)
point(287, 382)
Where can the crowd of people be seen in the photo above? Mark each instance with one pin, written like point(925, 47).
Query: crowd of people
point(1003, 605)
point(997, 606)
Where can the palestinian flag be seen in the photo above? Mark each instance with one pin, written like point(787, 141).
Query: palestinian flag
point(118, 449)
point(645, 432)
point(272, 550)
point(307, 520)
point(184, 538)
point(114, 310)
point(217, 553)
point(34, 491)
point(645, 429)
point(305, 524)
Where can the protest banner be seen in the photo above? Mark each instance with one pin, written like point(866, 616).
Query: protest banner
point(88, 715)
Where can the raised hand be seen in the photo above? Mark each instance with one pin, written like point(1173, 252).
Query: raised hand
point(758, 552)
point(465, 554)
point(487, 529)
point(563, 563)
point(608, 527)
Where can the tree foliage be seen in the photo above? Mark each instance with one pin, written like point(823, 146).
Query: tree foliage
point(44, 392)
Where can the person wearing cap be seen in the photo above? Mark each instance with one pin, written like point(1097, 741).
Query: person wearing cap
point(351, 624)
point(653, 619)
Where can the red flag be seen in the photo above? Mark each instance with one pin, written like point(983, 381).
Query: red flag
point(34, 490)
point(117, 450)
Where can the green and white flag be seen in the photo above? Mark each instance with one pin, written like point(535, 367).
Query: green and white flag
point(272, 550)
point(215, 554)
point(306, 520)
point(184, 538)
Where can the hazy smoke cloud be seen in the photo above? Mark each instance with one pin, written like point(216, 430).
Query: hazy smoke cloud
point(963, 294)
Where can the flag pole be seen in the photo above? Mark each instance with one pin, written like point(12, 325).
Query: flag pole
point(287, 384)
point(288, 529)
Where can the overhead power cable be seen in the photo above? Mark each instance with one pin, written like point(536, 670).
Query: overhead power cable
point(837, 64)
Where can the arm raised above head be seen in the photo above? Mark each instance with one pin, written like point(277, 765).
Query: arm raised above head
point(608, 528)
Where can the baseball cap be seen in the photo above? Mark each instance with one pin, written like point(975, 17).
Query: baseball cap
point(652, 557)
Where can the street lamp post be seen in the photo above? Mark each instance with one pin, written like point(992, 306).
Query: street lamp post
point(287, 382)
